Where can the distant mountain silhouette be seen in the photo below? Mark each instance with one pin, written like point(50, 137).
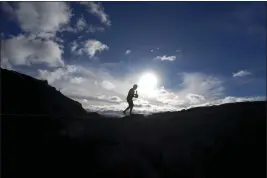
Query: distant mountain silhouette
point(207, 142)
point(22, 94)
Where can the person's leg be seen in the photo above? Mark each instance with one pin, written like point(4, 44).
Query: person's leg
point(126, 109)
point(129, 103)
point(131, 107)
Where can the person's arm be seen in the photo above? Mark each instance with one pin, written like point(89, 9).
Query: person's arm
point(131, 93)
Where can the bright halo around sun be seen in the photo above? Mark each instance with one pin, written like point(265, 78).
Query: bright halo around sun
point(147, 84)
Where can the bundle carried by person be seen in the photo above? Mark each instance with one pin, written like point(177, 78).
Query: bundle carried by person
point(136, 94)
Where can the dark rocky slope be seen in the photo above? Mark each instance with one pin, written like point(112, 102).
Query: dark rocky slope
point(211, 142)
point(22, 94)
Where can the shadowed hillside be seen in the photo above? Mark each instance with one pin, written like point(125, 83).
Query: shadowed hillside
point(22, 94)
point(218, 141)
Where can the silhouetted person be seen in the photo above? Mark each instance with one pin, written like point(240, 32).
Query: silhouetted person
point(130, 96)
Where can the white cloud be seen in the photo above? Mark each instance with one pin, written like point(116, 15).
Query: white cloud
point(51, 77)
point(93, 29)
point(89, 29)
point(90, 47)
point(196, 88)
point(241, 73)
point(80, 28)
point(94, 88)
point(5, 64)
point(42, 35)
point(22, 50)
point(59, 40)
point(106, 84)
point(84, 79)
point(69, 29)
point(66, 74)
point(84, 101)
point(165, 58)
point(98, 10)
point(93, 46)
point(166, 97)
point(128, 52)
point(59, 74)
point(195, 98)
point(115, 99)
point(40, 21)
point(42, 17)
point(76, 80)
point(232, 99)
point(74, 46)
point(154, 49)
point(81, 23)
point(198, 83)
point(139, 102)
point(112, 99)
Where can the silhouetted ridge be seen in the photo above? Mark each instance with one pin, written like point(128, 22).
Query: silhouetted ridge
point(22, 94)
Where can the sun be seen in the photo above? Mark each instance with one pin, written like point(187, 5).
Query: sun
point(147, 84)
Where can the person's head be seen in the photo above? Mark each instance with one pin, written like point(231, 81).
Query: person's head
point(135, 86)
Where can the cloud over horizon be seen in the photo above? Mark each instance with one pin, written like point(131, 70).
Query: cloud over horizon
point(197, 89)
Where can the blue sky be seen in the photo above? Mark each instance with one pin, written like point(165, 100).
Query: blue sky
point(201, 52)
